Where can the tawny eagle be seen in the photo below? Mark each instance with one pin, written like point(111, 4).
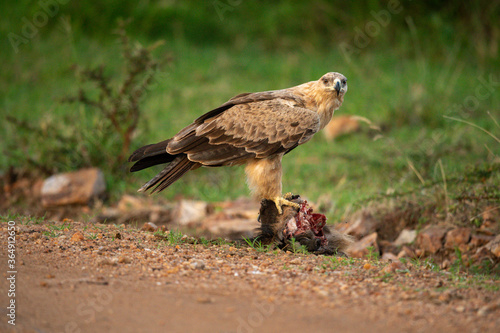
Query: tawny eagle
point(255, 129)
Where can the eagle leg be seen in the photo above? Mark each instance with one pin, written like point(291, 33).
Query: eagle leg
point(281, 201)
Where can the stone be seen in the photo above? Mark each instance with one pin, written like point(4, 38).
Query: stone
point(406, 252)
point(155, 214)
point(222, 225)
point(491, 307)
point(494, 246)
point(234, 219)
point(457, 238)
point(107, 261)
point(198, 264)
point(79, 187)
point(189, 212)
point(36, 188)
point(491, 219)
point(124, 260)
point(240, 208)
point(77, 237)
point(204, 300)
point(483, 253)
point(386, 246)
point(477, 240)
point(406, 236)
point(360, 248)
point(389, 256)
point(445, 264)
point(149, 226)
point(393, 267)
point(361, 224)
point(431, 239)
point(130, 202)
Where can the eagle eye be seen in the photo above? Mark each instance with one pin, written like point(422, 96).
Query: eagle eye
point(325, 81)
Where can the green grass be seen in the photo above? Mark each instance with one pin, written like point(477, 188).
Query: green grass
point(51, 233)
point(174, 237)
point(21, 218)
point(60, 227)
point(92, 235)
point(257, 245)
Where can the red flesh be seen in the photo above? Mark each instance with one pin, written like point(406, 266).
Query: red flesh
point(307, 220)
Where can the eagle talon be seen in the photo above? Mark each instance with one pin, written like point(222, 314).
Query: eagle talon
point(281, 201)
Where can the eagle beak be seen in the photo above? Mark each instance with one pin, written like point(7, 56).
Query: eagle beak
point(337, 86)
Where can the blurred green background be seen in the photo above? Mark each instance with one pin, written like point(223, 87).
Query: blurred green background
point(408, 64)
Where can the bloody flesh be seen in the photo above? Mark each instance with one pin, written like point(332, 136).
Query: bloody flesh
point(306, 220)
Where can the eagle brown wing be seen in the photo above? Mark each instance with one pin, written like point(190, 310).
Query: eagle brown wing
point(251, 130)
point(250, 125)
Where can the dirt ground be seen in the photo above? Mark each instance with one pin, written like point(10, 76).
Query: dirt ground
point(76, 277)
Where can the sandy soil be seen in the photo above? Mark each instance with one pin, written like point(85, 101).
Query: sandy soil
point(76, 277)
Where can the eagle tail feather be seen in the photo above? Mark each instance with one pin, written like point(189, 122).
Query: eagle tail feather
point(173, 171)
point(150, 161)
point(149, 150)
point(151, 155)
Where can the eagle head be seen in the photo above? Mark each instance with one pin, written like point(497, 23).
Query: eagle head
point(334, 82)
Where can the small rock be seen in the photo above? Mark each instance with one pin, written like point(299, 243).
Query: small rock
point(198, 264)
point(482, 253)
point(457, 238)
point(204, 300)
point(130, 202)
point(488, 308)
point(360, 248)
point(494, 246)
point(362, 224)
point(491, 219)
point(477, 240)
point(406, 252)
point(389, 256)
point(406, 236)
point(460, 309)
point(36, 189)
point(446, 296)
point(320, 291)
point(79, 187)
point(108, 261)
point(77, 236)
point(431, 239)
point(386, 246)
point(124, 260)
point(229, 226)
point(189, 212)
point(445, 264)
point(393, 267)
point(149, 226)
